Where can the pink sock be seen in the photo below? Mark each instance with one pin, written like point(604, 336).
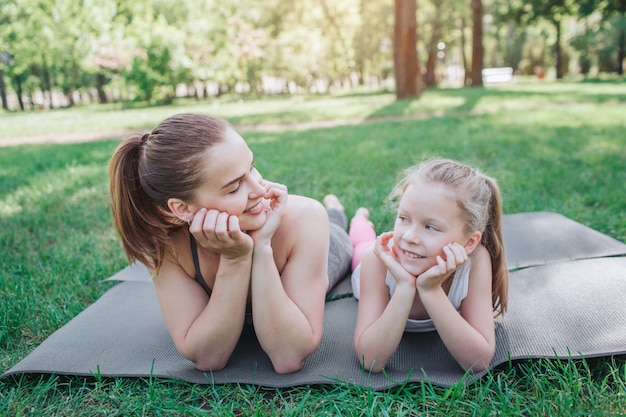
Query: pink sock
point(362, 234)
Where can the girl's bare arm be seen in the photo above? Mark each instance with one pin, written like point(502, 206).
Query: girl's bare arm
point(380, 320)
point(470, 335)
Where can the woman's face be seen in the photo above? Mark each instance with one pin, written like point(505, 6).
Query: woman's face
point(232, 183)
point(428, 219)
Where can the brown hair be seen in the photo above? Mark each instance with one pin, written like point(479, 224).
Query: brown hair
point(480, 201)
point(146, 171)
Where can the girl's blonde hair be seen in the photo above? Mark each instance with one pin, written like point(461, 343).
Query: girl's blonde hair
point(479, 199)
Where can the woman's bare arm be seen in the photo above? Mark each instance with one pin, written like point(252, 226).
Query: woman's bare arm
point(205, 330)
point(288, 305)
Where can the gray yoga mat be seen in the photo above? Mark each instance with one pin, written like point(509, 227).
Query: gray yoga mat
point(566, 299)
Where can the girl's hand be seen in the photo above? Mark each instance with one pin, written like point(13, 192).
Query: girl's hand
point(276, 196)
point(455, 254)
point(219, 232)
point(389, 257)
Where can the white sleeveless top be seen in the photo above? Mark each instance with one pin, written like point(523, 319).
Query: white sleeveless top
point(457, 293)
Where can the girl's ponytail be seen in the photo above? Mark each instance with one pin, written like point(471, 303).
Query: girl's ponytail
point(492, 240)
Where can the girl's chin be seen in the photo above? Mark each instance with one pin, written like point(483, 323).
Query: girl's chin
point(415, 268)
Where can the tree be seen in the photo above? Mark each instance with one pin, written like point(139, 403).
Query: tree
point(553, 11)
point(430, 78)
point(609, 8)
point(6, 58)
point(372, 40)
point(406, 65)
point(478, 51)
point(621, 7)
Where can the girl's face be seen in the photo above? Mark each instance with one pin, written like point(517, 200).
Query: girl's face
point(233, 184)
point(428, 219)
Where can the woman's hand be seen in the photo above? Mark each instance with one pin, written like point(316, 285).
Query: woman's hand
point(455, 254)
point(219, 232)
point(276, 196)
point(389, 257)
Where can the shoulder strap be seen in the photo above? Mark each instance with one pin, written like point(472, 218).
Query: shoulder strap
point(196, 263)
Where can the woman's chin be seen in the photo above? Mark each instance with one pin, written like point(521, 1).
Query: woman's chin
point(250, 223)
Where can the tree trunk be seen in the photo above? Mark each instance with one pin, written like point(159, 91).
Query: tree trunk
point(430, 77)
point(466, 70)
point(47, 83)
point(3, 92)
point(406, 66)
point(477, 43)
point(17, 81)
point(557, 50)
point(100, 81)
point(621, 50)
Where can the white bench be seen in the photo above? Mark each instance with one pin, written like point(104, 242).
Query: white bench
point(500, 75)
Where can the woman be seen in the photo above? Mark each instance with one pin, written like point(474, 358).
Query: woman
point(225, 246)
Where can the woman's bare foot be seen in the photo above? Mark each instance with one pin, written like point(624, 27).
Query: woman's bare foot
point(332, 201)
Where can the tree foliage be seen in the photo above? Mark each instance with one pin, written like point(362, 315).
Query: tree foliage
point(55, 52)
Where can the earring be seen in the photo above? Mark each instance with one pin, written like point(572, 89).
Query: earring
point(188, 222)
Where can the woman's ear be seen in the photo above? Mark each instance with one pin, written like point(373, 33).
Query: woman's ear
point(181, 209)
point(472, 242)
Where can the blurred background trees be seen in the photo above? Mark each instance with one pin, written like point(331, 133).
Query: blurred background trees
point(63, 52)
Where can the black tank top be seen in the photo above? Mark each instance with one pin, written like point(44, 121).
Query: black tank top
point(194, 253)
point(200, 279)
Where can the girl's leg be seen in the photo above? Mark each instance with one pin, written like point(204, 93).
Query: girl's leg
point(362, 234)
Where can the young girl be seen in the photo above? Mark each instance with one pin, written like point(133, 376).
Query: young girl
point(225, 246)
point(442, 268)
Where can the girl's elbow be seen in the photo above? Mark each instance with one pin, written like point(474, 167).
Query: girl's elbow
point(479, 364)
point(476, 367)
point(370, 365)
point(288, 366)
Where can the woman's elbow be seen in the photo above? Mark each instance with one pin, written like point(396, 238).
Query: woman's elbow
point(290, 362)
point(210, 365)
point(205, 363)
point(294, 361)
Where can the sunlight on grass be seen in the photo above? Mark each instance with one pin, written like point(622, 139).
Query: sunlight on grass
point(9, 207)
point(41, 190)
point(575, 90)
point(306, 108)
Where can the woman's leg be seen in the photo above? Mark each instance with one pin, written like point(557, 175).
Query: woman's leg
point(340, 251)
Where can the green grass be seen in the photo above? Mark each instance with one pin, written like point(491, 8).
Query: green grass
point(306, 108)
point(556, 147)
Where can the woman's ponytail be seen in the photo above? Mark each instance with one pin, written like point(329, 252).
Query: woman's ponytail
point(147, 170)
point(132, 210)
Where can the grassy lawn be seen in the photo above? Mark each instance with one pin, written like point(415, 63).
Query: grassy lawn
point(553, 147)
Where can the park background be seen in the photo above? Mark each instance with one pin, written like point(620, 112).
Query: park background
point(326, 105)
point(58, 53)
